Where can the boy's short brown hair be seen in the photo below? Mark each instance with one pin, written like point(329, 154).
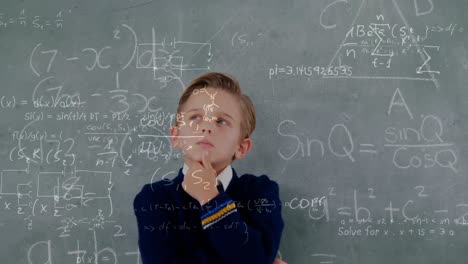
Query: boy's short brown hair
point(225, 82)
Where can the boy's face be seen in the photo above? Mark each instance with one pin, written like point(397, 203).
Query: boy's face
point(211, 121)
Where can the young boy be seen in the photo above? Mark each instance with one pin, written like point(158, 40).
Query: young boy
point(208, 214)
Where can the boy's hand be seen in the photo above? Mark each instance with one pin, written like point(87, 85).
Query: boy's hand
point(200, 179)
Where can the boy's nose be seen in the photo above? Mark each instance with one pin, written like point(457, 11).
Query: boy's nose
point(205, 126)
point(208, 130)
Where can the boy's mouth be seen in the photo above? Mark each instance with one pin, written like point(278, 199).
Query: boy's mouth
point(205, 143)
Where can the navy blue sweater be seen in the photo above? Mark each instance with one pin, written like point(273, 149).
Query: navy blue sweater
point(241, 225)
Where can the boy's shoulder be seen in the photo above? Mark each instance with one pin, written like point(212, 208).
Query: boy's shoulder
point(250, 179)
point(255, 185)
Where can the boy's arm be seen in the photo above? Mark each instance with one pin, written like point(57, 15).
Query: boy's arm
point(156, 246)
point(254, 239)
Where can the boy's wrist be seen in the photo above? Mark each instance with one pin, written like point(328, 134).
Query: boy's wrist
point(205, 199)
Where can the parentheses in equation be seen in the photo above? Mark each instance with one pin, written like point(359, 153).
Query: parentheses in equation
point(152, 179)
point(274, 204)
point(135, 38)
point(42, 116)
point(19, 139)
point(122, 146)
point(426, 33)
point(47, 156)
point(31, 59)
point(111, 209)
point(11, 152)
point(1, 101)
point(14, 101)
point(232, 40)
point(34, 206)
point(60, 135)
point(393, 31)
point(248, 205)
point(246, 234)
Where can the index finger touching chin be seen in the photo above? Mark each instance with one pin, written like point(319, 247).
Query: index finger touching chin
point(207, 160)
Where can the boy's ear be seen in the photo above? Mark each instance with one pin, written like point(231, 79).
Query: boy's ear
point(244, 147)
point(174, 131)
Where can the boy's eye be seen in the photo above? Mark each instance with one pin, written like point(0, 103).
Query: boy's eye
point(221, 121)
point(194, 116)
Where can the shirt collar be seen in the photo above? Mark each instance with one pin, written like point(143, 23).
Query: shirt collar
point(224, 177)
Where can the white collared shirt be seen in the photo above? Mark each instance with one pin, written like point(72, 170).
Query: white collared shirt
point(224, 177)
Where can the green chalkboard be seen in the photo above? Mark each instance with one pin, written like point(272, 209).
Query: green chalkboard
point(362, 119)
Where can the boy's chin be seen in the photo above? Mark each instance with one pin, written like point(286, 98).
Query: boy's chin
point(197, 156)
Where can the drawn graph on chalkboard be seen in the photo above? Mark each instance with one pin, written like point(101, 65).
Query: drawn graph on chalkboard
point(169, 59)
point(393, 50)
